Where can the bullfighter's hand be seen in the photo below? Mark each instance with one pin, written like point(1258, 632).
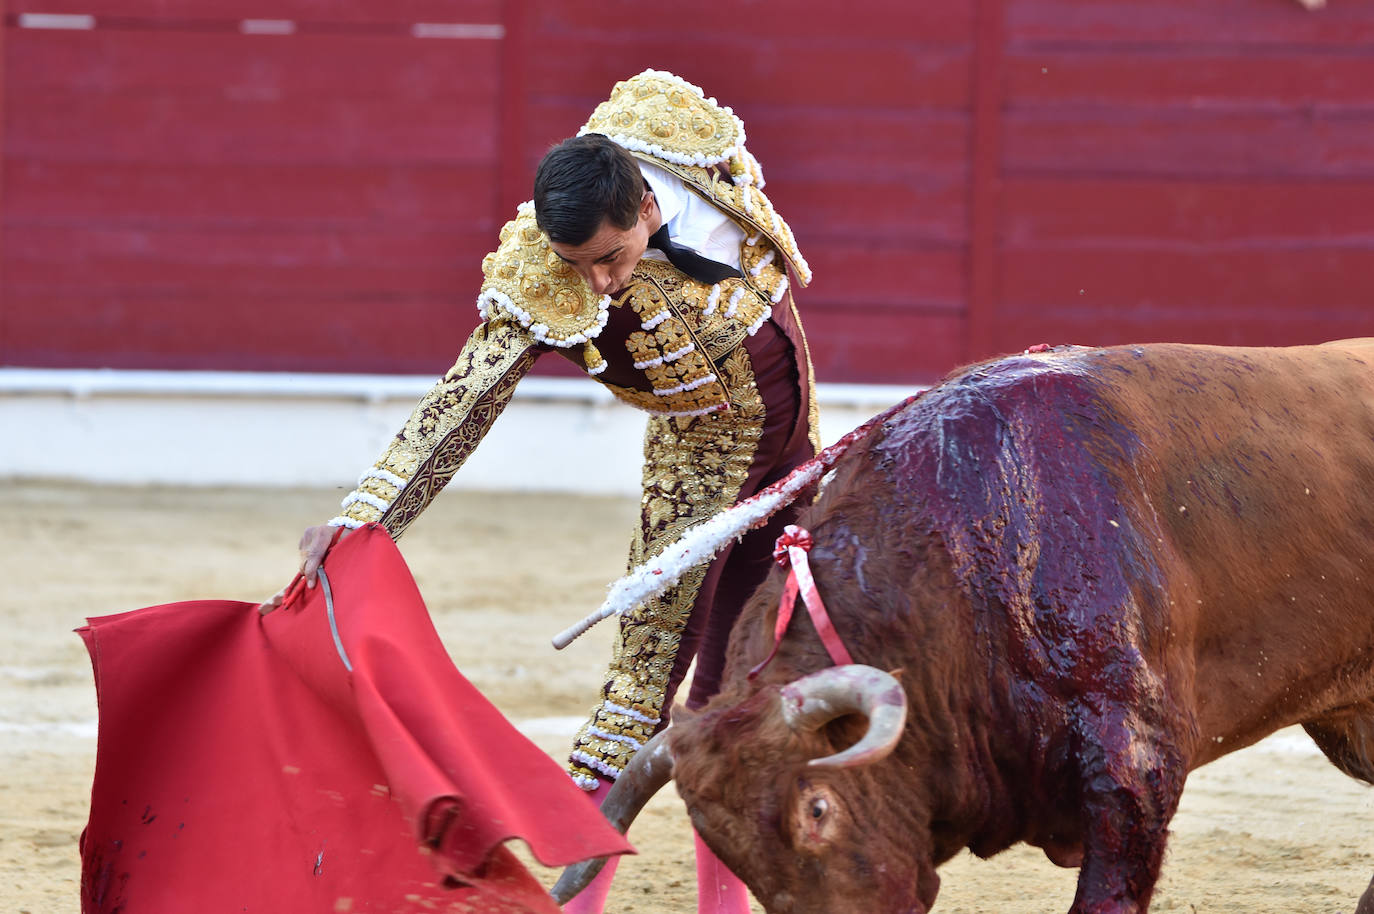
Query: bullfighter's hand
point(315, 543)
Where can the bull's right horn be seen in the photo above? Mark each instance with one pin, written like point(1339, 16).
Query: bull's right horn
point(644, 776)
point(813, 701)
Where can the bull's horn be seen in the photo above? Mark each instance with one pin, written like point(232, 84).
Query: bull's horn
point(813, 701)
point(644, 776)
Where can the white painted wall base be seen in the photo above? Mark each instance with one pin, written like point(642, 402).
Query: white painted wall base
point(230, 428)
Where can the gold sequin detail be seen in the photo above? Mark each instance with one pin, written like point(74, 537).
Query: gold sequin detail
point(679, 349)
point(663, 114)
point(689, 301)
point(694, 468)
point(533, 286)
point(446, 426)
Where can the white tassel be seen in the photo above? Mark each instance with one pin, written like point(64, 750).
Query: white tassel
point(712, 300)
point(765, 261)
point(384, 476)
point(631, 713)
point(781, 290)
point(615, 737)
point(592, 761)
point(366, 498)
point(763, 319)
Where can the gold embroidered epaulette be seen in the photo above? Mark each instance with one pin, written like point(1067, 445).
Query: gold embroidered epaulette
point(525, 279)
point(669, 118)
point(666, 120)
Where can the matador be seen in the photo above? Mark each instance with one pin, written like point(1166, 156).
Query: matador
point(651, 259)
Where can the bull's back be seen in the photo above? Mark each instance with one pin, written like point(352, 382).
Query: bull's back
point(1256, 469)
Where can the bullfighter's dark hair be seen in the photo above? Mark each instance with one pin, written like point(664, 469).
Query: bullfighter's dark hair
point(582, 182)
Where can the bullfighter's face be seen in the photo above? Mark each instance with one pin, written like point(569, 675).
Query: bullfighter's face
point(607, 259)
point(805, 840)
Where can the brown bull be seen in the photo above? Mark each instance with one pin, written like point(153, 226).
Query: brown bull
point(1096, 570)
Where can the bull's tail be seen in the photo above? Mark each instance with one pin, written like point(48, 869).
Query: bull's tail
point(702, 542)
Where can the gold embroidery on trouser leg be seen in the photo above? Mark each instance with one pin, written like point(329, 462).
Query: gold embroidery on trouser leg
point(694, 468)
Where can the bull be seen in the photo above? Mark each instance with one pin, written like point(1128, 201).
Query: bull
point(1067, 579)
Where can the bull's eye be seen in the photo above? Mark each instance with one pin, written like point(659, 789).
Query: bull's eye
point(817, 819)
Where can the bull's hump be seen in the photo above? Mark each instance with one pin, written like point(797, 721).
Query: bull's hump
point(1043, 387)
point(1059, 369)
point(1053, 415)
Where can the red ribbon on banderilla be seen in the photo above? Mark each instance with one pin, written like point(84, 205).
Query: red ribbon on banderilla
point(790, 552)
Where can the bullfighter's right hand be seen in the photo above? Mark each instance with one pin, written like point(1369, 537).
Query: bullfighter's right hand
point(315, 543)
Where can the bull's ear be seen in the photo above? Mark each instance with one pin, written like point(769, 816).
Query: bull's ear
point(898, 673)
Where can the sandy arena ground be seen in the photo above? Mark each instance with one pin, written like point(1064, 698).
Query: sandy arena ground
point(1270, 829)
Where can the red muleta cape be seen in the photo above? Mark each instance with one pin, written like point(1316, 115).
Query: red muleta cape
point(242, 767)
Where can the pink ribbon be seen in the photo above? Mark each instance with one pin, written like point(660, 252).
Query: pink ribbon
point(790, 552)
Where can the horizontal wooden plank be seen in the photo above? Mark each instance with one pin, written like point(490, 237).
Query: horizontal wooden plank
point(1110, 140)
point(1091, 212)
point(86, 248)
point(279, 333)
point(916, 145)
point(727, 66)
point(857, 277)
point(203, 127)
point(191, 278)
point(867, 344)
point(547, 121)
point(109, 63)
point(1216, 22)
point(571, 23)
point(924, 146)
point(1211, 78)
point(143, 194)
point(1249, 281)
point(888, 212)
point(341, 11)
point(82, 266)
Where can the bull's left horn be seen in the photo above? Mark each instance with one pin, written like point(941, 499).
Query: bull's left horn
point(647, 772)
point(813, 701)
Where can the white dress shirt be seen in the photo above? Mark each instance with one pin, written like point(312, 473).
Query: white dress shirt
point(692, 222)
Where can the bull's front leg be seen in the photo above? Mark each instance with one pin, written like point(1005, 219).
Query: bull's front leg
point(1131, 781)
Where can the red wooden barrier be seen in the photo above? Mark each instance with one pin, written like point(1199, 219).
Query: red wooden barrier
point(207, 183)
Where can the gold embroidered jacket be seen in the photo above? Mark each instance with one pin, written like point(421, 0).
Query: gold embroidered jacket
point(657, 346)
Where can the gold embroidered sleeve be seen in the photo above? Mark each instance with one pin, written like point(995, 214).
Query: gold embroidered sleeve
point(443, 430)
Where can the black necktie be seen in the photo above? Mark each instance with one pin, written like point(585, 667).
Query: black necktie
point(702, 269)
